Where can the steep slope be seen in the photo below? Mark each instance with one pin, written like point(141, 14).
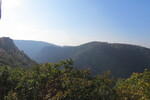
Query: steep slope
point(120, 59)
point(31, 48)
point(10, 55)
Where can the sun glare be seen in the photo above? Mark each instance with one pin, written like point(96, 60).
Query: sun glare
point(11, 3)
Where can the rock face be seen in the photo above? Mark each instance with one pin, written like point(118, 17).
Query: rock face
point(11, 56)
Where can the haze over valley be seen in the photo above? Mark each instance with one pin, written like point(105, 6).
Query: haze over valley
point(74, 50)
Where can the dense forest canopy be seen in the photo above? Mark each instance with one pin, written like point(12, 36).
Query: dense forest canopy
point(60, 81)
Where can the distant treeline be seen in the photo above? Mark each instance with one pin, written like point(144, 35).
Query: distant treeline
point(60, 81)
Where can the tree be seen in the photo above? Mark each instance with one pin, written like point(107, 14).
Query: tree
point(136, 87)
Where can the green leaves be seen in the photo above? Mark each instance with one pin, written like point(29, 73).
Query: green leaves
point(59, 81)
point(136, 87)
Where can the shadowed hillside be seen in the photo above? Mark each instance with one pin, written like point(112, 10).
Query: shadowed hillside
point(120, 59)
point(10, 55)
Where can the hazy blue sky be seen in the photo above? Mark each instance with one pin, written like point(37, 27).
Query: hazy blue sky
point(73, 22)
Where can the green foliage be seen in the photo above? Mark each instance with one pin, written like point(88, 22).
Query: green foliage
point(60, 81)
point(136, 87)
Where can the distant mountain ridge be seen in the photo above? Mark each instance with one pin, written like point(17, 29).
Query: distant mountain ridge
point(31, 48)
point(120, 59)
point(11, 56)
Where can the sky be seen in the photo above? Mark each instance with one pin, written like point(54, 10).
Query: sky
point(74, 22)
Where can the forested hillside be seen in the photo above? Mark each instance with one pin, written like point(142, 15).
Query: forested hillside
point(21, 79)
point(120, 59)
point(11, 56)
